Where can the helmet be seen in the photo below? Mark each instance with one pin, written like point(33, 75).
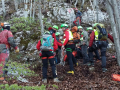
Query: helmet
point(64, 25)
point(98, 24)
point(94, 25)
point(5, 24)
point(47, 32)
point(76, 9)
point(55, 26)
point(57, 33)
point(89, 28)
point(79, 27)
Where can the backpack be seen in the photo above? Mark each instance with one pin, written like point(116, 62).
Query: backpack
point(46, 42)
point(76, 36)
point(101, 32)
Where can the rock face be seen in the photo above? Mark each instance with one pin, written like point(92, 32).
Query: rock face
point(61, 14)
point(27, 44)
point(89, 16)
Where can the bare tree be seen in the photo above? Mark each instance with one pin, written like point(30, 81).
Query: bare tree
point(76, 3)
point(16, 4)
point(30, 10)
point(96, 7)
point(3, 7)
point(40, 18)
point(34, 6)
point(117, 17)
point(93, 10)
point(114, 29)
point(26, 8)
point(83, 1)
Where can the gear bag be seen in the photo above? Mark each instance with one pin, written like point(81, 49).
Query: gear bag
point(101, 31)
point(76, 36)
point(47, 42)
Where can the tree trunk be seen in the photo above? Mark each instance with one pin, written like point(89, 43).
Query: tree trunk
point(45, 4)
point(113, 26)
point(3, 7)
point(26, 8)
point(30, 10)
point(40, 18)
point(117, 17)
point(95, 4)
point(34, 6)
point(76, 3)
point(25, 1)
point(16, 4)
point(83, 1)
point(93, 7)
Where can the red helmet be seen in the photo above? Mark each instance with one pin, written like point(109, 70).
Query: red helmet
point(76, 9)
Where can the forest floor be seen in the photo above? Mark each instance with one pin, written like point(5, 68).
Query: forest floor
point(83, 79)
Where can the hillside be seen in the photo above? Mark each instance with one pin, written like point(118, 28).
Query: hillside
point(24, 68)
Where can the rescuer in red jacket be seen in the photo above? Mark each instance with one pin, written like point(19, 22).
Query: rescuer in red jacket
point(69, 46)
point(101, 43)
point(6, 40)
point(48, 55)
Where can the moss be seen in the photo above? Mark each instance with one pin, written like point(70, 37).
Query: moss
point(35, 36)
point(24, 42)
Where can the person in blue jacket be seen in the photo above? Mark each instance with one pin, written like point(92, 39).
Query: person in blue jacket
point(77, 22)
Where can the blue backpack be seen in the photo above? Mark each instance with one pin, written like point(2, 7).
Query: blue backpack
point(47, 42)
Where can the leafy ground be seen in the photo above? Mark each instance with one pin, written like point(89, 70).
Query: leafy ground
point(84, 79)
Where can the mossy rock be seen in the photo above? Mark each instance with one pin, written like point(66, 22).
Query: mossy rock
point(24, 42)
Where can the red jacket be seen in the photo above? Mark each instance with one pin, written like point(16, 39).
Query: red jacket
point(92, 38)
point(54, 45)
point(6, 37)
point(66, 37)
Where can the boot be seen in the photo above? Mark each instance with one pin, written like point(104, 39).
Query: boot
point(104, 69)
point(56, 80)
point(70, 72)
point(76, 64)
point(44, 80)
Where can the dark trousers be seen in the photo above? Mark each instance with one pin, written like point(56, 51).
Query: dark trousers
point(58, 52)
point(102, 45)
point(90, 54)
point(45, 63)
point(77, 22)
point(84, 54)
point(79, 53)
point(71, 58)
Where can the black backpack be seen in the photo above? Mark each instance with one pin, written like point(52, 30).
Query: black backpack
point(102, 33)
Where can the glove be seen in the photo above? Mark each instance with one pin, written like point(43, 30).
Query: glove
point(17, 50)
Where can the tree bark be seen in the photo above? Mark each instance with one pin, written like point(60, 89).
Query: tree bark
point(40, 18)
point(93, 7)
point(34, 6)
point(30, 10)
point(83, 1)
point(96, 7)
point(113, 26)
point(76, 3)
point(117, 17)
point(3, 7)
point(16, 4)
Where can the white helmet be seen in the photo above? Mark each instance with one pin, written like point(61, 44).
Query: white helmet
point(5, 24)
